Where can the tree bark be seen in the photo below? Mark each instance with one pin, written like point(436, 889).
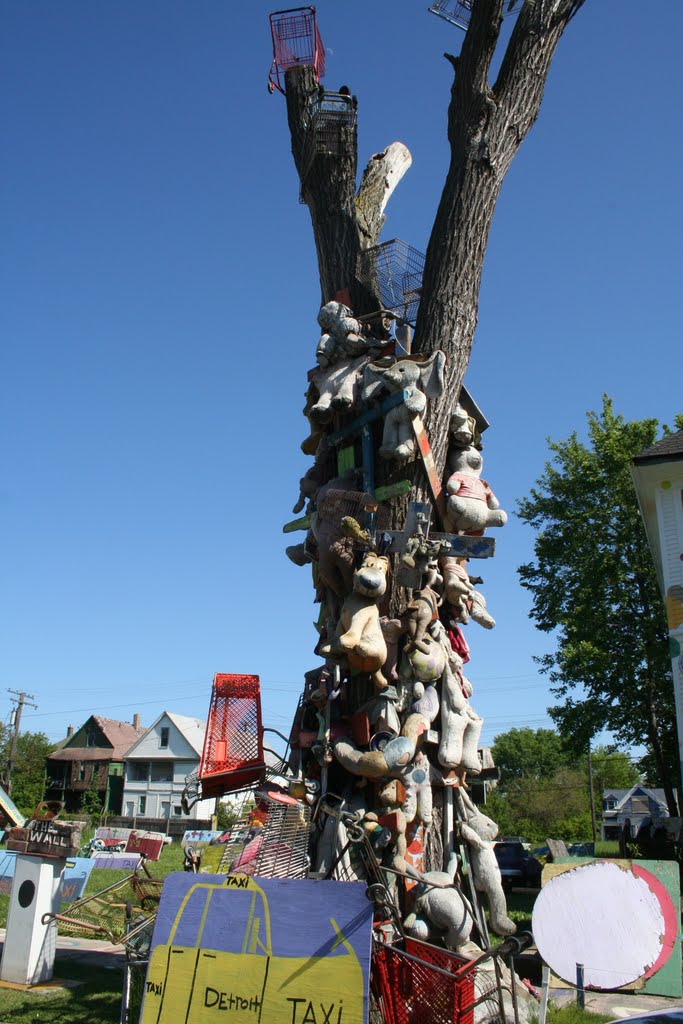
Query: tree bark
point(344, 223)
point(486, 126)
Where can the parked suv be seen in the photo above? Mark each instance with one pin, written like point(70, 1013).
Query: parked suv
point(517, 867)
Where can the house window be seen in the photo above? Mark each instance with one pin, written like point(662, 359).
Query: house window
point(81, 771)
point(639, 805)
point(90, 739)
point(610, 803)
point(177, 810)
point(162, 771)
point(142, 805)
point(164, 736)
point(137, 771)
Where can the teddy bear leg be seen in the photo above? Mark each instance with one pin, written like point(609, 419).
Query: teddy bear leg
point(499, 921)
point(470, 744)
point(496, 517)
point(480, 612)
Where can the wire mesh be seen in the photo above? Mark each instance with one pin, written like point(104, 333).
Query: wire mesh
point(233, 746)
point(393, 270)
point(417, 984)
point(458, 12)
point(108, 913)
point(337, 505)
point(330, 130)
point(296, 43)
point(276, 849)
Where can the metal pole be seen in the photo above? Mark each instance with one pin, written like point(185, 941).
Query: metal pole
point(592, 795)
point(545, 985)
point(580, 991)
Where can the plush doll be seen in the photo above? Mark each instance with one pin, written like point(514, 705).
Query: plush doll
point(472, 506)
point(337, 387)
point(440, 909)
point(462, 430)
point(459, 592)
point(460, 724)
point(479, 832)
point(419, 380)
point(416, 778)
point(342, 336)
point(422, 611)
point(359, 635)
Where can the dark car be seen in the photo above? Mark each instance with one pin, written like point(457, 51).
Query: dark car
point(517, 867)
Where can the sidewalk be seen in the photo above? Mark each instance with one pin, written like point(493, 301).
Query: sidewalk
point(90, 952)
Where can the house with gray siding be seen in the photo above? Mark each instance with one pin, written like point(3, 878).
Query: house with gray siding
point(155, 768)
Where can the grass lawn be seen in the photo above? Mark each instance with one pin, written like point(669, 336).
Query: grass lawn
point(97, 1000)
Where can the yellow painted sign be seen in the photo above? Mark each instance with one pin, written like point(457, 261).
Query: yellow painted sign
point(244, 950)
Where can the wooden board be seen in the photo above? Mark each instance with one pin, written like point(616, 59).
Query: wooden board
point(283, 951)
point(618, 918)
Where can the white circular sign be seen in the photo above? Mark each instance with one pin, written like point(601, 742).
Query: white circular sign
point(602, 916)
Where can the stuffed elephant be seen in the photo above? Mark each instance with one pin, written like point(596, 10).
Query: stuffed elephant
point(479, 832)
point(419, 380)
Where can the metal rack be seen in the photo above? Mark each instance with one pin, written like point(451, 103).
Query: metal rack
point(393, 270)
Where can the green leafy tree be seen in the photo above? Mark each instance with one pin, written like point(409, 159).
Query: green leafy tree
point(92, 800)
point(529, 753)
point(28, 771)
point(594, 587)
point(544, 788)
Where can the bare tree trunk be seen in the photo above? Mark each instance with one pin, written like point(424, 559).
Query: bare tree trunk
point(344, 223)
point(486, 126)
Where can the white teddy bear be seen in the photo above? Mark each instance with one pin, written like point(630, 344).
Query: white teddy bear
point(472, 506)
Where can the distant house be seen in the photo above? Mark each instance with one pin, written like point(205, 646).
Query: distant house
point(635, 805)
point(91, 757)
point(157, 765)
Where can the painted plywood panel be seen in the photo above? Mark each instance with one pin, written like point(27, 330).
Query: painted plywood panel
point(619, 919)
point(282, 951)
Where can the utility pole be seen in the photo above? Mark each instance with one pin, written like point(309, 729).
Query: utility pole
point(591, 794)
point(20, 699)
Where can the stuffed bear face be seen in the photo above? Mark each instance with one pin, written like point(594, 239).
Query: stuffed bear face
point(466, 460)
point(371, 578)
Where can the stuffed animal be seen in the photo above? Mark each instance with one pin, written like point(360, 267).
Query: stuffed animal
point(337, 387)
point(359, 634)
point(442, 909)
point(472, 506)
point(462, 430)
point(459, 592)
point(342, 335)
point(460, 725)
point(422, 610)
point(418, 380)
point(479, 832)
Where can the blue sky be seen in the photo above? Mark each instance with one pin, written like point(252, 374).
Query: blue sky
point(159, 293)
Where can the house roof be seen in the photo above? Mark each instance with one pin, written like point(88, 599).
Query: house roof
point(191, 729)
point(668, 449)
point(622, 795)
point(119, 735)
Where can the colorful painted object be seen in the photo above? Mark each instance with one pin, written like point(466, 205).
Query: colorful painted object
point(277, 950)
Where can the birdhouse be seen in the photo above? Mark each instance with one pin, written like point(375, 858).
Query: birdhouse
point(393, 270)
point(296, 43)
